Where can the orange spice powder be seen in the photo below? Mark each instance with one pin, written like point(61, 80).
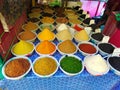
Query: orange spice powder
point(45, 47)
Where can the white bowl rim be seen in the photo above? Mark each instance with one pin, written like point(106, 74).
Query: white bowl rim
point(45, 76)
point(21, 76)
point(87, 42)
point(45, 54)
point(66, 53)
point(72, 74)
point(23, 54)
point(27, 40)
point(99, 74)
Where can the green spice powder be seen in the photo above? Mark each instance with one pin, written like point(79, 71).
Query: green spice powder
point(71, 64)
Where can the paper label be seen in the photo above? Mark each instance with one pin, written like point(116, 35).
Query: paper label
point(105, 39)
point(116, 52)
point(92, 22)
point(87, 16)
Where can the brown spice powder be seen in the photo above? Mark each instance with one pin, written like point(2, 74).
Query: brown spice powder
point(67, 46)
point(17, 67)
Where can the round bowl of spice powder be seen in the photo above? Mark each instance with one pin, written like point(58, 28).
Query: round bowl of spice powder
point(96, 65)
point(45, 66)
point(27, 36)
point(114, 64)
point(22, 48)
point(87, 48)
point(71, 65)
point(105, 49)
point(16, 67)
point(45, 48)
point(67, 47)
point(96, 37)
point(30, 26)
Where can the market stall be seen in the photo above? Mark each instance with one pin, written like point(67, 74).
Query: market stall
point(57, 49)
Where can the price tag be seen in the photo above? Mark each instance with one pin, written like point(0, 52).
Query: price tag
point(87, 16)
point(116, 52)
point(92, 22)
point(105, 39)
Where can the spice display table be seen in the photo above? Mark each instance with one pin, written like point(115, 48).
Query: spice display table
point(60, 81)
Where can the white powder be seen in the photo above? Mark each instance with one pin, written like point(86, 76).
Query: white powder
point(62, 27)
point(96, 63)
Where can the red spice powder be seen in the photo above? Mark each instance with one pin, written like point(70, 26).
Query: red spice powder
point(87, 48)
point(76, 27)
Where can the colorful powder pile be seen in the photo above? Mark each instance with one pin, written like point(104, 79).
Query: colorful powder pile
point(22, 48)
point(106, 47)
point(34, 20)
point(46, 34)
point(96, 65)
point(97, 36)
point(34, 15)
point(87, 48)
point(47, 20)
point(17, 67)
point(75, 21)
point(27, 35)
point(64, 35)
point(45, 47)
point(81, 36)
point(30, 26)
point(61, 20)
point(67, 46)
point(45, 66)
point(62, 27)
point(71, 64)
point(77, 28)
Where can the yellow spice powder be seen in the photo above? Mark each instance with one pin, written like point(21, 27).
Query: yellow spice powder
point(81, 36)
point(45, 66)
point(47, 20)
point(46, 34)
point(22, 48)
point(64, 35)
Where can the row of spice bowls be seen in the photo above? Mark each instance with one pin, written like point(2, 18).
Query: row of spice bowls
point(46, 66)
point(43, 66)
point(62, 34)
point(25, 48)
